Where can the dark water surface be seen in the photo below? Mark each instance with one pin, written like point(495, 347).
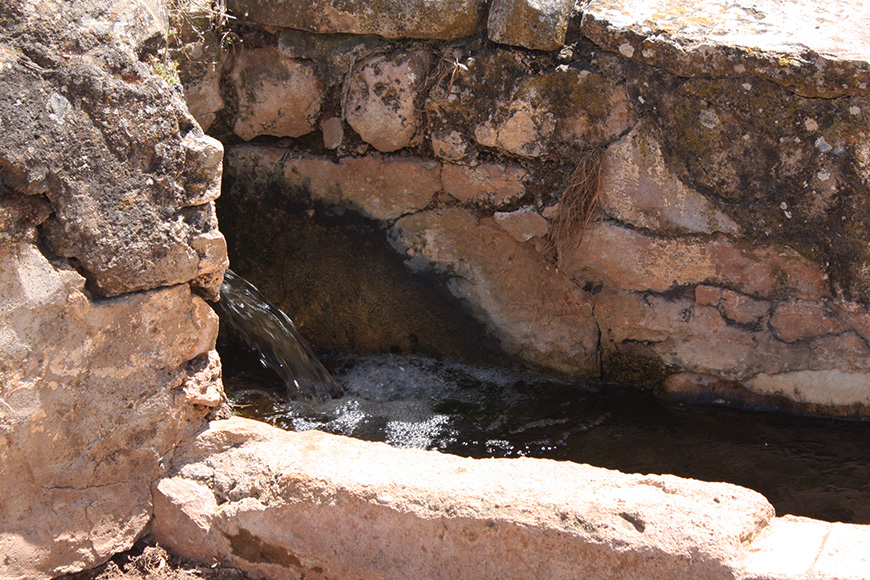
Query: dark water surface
point(811, 467)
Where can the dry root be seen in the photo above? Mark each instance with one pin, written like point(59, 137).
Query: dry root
point(577, 206)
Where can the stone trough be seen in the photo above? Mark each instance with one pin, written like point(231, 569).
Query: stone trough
point(726, 258)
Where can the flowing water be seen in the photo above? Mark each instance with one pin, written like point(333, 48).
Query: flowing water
point(812, 467)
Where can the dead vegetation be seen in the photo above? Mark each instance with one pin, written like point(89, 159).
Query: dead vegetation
point(149, 562)
point(577, 206)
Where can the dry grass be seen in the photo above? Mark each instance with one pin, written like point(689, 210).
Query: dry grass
point(577, 206)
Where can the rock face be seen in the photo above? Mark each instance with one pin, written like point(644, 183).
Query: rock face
point(110, 242)
point(281, 505)
point(441, 19)
point(723, 246)
point(537, 24)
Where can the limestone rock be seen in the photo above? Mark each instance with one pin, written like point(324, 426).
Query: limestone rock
point(625, 258)
point(487, 184)
point(639, 189)
point(333, 132)
point(437, 19)
point(814, 48)
point(451, 145)
point(383, 189)
point(382, 98)
point(333, 507)
point(797, 320)
point(523, 224)
point(577, 108)
point(278, 96)
point(95, 395)
point(538, 314)
point(105, 141)
point(785, 167)
point(199, 69)
point(535, 24)
point(836, 389)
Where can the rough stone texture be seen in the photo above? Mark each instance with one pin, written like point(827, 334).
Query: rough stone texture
point(566, 107)
point(639, 189)
point(626, 258)
point(95, 395)
point(815, 48)
point(277, 95)
point(199, 69)
point(800, 548)
point(488, 184)
point(523, 224)
point(437, 19)
point(536, 24)
point(538, 314)
point(382, 98)
point(130, 219)
point(106, 188)
point(332, 507)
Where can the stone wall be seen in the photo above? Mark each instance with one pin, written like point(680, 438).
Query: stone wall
point(728, 254)
point(108, 248)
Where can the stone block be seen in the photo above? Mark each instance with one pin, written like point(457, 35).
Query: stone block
point(814, 48)
point(487, 184)
point(436, 19)
point(277, 95)
point(382, 98)
point(334, 507)
point(535, 24)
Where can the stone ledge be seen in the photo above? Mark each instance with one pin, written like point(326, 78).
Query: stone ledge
point(280, 504)
point(818, 49)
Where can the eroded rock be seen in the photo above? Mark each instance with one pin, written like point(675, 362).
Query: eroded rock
point(278, 96)
point(382, 98)
point(438, 19)
point(536, 24)
point(95, 395)
point(814, 48)
point(538, 314)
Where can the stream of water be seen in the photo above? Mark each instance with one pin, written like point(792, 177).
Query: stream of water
point(812, 467)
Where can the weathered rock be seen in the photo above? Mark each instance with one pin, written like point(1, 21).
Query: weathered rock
point(523, 224)
point(298, 503)
point(104, 140)
point(538, 314)
point(451, 145)
point(814, 48)
point(793, 321)
point(734, 306)
point(845, 393)
point(382, 98)
point(105, 179)
point(95, 395)
point(333, 132)
point(572, 107)
point(638, 189)
point(786, 168)
point(441, 19)
point(199, 69)
point(625, 258)
point(536, 24)
point(278, 96)
point(487, 184)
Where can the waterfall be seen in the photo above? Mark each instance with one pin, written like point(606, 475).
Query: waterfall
point(268, 330)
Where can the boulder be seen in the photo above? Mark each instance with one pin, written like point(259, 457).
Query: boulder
point(95, 396)
point(535, 24)
point(109, 242)
point(382, 98)
point(435, 19)
point(278, 504)
point(277, 95)
point(127, 171)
